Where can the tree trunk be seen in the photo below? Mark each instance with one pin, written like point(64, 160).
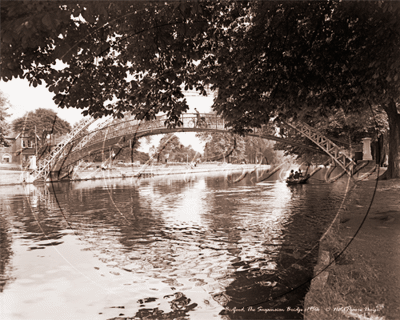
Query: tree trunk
point(393, 169)
point(379, 149)
point(384, 148)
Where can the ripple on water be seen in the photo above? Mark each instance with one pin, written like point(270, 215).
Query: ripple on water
point(170, 249)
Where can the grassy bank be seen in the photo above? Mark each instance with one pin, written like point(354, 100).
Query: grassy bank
point(361, 279)
point(351, 291)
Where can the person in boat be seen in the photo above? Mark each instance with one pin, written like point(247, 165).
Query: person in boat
point(300, 173)
point(296, 175)
point(291, 175)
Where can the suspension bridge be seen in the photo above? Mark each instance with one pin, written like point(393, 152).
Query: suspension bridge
point(96, 135)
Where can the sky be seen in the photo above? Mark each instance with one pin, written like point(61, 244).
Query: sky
point(24, 98)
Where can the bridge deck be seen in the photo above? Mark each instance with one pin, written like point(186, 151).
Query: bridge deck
point(120, 132)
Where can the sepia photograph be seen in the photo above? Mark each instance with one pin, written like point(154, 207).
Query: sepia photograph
point(199, 159)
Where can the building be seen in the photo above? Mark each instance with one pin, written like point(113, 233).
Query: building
point(22, 148)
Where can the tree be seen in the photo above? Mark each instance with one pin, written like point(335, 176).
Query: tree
point(223, 146)
point(259, 150)
point(171, 148)
point(131, 153)
point(288, 61)
point(126, 154)
point(39, 121)
point(345, 130)
point(247, 148)
point(107, 45)
point(4, 126)
point(219, 145)
point(310, 61)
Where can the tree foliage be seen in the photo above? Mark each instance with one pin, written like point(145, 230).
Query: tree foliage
point(240, 149)
point(287, 61)
point(171, 148)
point(219, 145)
point(259, 150)
point(136, 52)
point(127, 154)
point(4, 126)
point(41, 120)
point(312, 61)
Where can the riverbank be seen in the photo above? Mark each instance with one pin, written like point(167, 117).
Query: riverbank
point(359, 258)
point(161, 170)
point(11, 176)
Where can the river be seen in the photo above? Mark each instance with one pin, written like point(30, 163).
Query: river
point(173, 247)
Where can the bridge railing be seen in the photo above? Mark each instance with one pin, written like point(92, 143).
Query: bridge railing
point(123, 127)
point(207, 120)
point(129, 127)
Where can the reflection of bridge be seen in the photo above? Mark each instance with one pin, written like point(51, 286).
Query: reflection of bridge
point(119, 133)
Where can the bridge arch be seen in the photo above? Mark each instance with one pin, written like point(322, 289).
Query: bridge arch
point(118, 132)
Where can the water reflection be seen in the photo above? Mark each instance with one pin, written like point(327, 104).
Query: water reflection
point(193, 247)
point(5, 247)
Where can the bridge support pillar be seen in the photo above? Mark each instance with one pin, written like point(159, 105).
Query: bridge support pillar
point(367, 149)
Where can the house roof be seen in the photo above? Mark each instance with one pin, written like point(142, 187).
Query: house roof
point(15, 136)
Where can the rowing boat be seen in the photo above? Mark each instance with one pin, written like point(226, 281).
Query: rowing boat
point(302, 180)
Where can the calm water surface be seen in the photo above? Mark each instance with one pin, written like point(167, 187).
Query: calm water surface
point(188, 247)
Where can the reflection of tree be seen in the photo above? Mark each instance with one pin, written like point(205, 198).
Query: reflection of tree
point(163, 187)
point(5, 251)
point(312, 210)
point(180, 304)
point(222, 219)
point(122, 214)
point(37, 216)
point(247, 260)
